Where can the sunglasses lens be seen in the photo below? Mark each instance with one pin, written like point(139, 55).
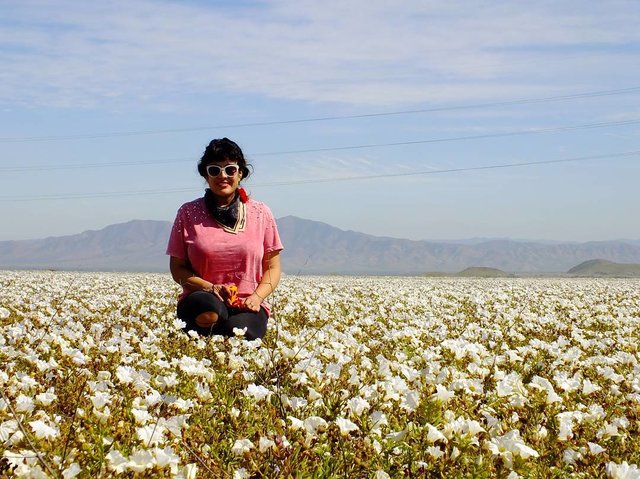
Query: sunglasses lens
point(213, 170)
point(229, 170)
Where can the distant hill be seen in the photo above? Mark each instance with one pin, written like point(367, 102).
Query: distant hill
point(472, 272)
point(137, 245)
point(601, 267)
point(312, 247)
point(483, 272)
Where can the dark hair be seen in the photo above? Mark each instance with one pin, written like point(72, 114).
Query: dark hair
point(220, 150)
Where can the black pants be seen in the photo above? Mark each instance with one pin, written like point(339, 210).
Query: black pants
point(228, 318)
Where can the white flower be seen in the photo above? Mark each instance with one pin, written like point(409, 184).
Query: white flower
point(257, 392)
point(265, 444)
point(622, 471)
point(166, 457)
point(43, 430)
point(378, 419)
point(153, 398)
point(125, 374)
point(239, 331)
point(103, 416)
point(178, 323)
point(442, 394)
point(333, 370)
point(190, 471)
point(396, 436)
point(117, 462)
point(242, 446)
point(511, 385)
point(140, 460)
point(455, 452)
point(203, 392)
point(179, 403)
point(588, 387)
point(45, 399)
point(435, 452)
point(4, 313)
point(72, 471)
point(434, 435)
point(151, 434)
point(541, 432)
point(7, 428)
point(176, 424)
point(295, 423)
point(608, 430)
point(566, 422)
point(24, 403)
point(100, 399)
point(241, 474)
point(20, 458)
point(314, 423)
point(141, 416)
point(545, 385)
point(168, 381)
point(297, 402)
point(510, 445)
point(595, 448)
point(571, 456)
point(25, 382)
point(381, 475)
point(410, 401)
point(346, 426)
point(357, 405)
point(313, 395)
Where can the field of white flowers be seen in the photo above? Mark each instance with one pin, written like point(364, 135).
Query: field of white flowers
point(356, 378)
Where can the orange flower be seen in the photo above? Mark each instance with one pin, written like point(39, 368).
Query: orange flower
point(233, 293)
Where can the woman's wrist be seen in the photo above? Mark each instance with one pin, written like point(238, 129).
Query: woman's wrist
point(262, 298)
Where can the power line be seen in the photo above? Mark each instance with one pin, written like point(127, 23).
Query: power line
point(325, 180)
point(454, 170)
point(461, 138)
point(337, 148)
point(70, 166)
point(524, 101)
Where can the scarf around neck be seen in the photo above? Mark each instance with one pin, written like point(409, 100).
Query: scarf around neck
point(232, 218)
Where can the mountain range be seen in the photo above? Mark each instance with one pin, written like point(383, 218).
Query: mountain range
point(312, 247)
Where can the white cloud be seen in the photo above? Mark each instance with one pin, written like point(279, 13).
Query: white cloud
point(69, 53)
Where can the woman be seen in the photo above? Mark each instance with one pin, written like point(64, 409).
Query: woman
point(221, 242)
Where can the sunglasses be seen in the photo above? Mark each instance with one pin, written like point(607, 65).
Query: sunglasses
point(229, 170)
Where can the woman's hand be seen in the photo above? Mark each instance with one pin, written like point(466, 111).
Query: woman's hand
point(219, 291)
point(223, 292)
point(252, 303)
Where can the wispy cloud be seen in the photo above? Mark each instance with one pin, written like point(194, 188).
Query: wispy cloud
point(68, 53)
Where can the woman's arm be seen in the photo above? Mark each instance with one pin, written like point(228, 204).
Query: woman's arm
point(270, 279)
point(183, 275)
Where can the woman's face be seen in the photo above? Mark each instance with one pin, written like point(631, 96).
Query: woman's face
point(223, 186)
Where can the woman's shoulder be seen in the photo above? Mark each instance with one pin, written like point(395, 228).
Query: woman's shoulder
point(192, 209)
point(196, 204)
point(258, 207)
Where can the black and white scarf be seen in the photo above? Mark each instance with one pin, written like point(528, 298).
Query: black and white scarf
point(232, 218)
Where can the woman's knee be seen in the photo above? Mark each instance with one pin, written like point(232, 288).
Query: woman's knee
point(207, 319)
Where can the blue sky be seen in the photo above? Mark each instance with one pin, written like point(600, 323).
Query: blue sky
point(105, 109)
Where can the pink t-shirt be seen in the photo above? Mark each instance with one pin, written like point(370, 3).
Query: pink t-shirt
point(221, 257)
